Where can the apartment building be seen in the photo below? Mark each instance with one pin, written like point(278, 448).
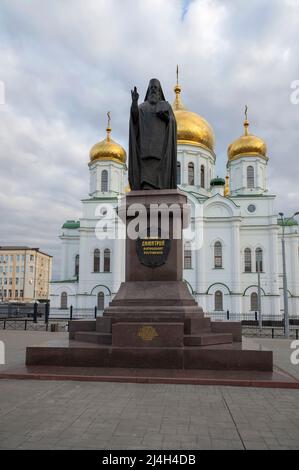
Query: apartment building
point(25, 274)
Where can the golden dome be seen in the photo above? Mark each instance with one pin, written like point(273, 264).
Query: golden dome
point(247, 145)
point(107, 149)
point(191, 128)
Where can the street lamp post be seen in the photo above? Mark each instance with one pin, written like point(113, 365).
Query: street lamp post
point(258, 263)
point(284, 271)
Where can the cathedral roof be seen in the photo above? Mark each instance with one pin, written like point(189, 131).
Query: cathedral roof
point(72, 224)
point(217, 182)
point(191, 128)
point(108, 149)
point(247, 145)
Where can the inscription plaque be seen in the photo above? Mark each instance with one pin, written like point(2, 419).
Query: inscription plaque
point(152, 251)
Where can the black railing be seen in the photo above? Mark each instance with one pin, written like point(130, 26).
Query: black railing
point(252, 318)
point(72, 313)
point(23, 310)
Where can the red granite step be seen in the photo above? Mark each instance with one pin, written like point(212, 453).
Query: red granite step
point(80, 325)
point(93, 337)
point(140, 309)
point(194, 326)
point(229, 356)
point(207, 339)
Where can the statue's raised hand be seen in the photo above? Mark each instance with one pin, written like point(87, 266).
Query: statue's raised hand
point(135, 95)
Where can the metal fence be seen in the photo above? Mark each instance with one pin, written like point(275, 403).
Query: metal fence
point(270, 332)
point(272, 326)
point(24, 310)
point(74, 313)
point(252, 318)
point(39, 317)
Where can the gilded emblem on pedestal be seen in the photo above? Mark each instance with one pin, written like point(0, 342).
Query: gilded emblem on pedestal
point(147, 333)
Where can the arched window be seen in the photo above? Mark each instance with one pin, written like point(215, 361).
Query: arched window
point(101, 301)
point(96, 260)
point(107, 260)
point(247, 260)
point(259, 260)
point(187, 256)
point(77, 265)
point(254, 302)
point(202, 176)
point(190, 173)
point(218, 300)
point(104, 181)
point(218, 255)
point(250, 177)
point(178, 173)
point(63, 301)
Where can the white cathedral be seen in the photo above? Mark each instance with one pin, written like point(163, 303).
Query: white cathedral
point(238, 221)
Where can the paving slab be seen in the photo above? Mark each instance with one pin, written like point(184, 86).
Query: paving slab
point(59, 414)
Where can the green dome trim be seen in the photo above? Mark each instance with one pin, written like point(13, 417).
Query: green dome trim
point(72, 224)
point(287, 222)
point(217, 182)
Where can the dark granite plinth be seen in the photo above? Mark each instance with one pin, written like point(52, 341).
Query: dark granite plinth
point(153, 300)
point(80, 325)
point(233, 327)
point(148, 335)
point(233, 356)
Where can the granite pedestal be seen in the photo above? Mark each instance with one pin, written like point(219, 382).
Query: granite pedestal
point(153, 322)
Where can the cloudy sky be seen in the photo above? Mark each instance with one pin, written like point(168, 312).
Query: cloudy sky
point(65, 63)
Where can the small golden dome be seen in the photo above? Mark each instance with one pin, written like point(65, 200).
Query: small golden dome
point(247, 145)
point(191, 128)
point(107, 149)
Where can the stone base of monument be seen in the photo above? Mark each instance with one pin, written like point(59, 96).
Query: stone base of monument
point(153, 322)
point(167, 343)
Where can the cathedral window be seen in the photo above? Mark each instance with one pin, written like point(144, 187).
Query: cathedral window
point(101, 301)
point(77, 265)
point(259, 260)
point(63, 301)
point(218, 300)
point(187, 256)
point(250, 177)
point(178, 173)
point(96, 260)
point(202, 176)
point(104, 181)
point(191, 174)
point(247, 260)
point(218, 255)
point(107, 260)
point(254, 302)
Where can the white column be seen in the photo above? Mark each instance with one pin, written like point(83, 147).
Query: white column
point(235, 267)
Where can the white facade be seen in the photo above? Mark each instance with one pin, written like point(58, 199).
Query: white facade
point(232, 229)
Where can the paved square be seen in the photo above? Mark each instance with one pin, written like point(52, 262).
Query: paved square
point(96, 415)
